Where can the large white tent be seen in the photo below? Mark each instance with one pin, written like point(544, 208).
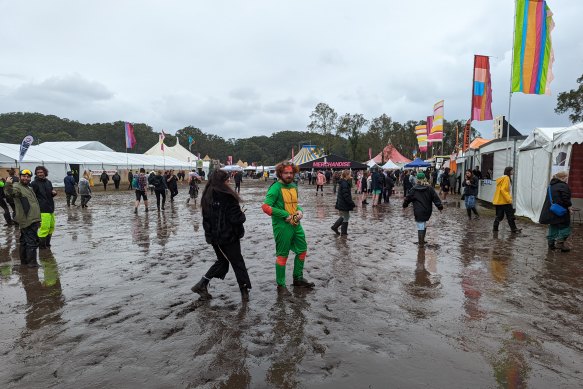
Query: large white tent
point(59, 157)
point(177, 151)
point(390, 165)
point(545, 152)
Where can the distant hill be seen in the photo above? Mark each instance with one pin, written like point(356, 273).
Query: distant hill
point(51, 128)
point(263, 150)
point(260, 149)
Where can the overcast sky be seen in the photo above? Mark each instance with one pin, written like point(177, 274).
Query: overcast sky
point(253, 67)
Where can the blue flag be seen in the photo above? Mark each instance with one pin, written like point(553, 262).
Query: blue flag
point(26, 142)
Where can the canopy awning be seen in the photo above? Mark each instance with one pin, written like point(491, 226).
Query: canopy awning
point(333, 161)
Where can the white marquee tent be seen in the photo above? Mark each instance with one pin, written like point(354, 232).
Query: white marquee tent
point(177, 151)
point(390, 165)
point(545, 152)
point(59, 157)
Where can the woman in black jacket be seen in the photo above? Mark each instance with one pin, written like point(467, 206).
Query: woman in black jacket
point(423, 196)
point(344, 203)
point(222, 220)
point(470, 185)
point(559, 226)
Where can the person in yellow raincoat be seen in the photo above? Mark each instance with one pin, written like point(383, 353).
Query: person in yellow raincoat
point(503, 201)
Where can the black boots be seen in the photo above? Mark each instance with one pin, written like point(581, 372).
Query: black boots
point(469, 211)
point(201, 289)
point(48, 241)
point(303, 283)
point(513, 227)
point(42, 243)
point(22, 254)
point(496, 224)
point(31, 257)
point(344, 229)
point(337, 224)
point(244, 293)
point(421, 237)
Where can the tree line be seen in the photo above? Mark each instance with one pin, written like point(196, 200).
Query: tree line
point(348, 135)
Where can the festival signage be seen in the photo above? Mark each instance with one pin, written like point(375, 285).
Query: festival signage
point(332, 161)
point(332, 165)
point(26, 142)
point(467, 131)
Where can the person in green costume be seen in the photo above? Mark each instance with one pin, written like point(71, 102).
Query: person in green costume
point(281, 203)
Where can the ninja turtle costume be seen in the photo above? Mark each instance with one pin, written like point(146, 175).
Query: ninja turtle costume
point(281, 202)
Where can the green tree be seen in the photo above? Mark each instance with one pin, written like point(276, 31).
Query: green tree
point(380, 129)
point(324, 121)
point(351, 126)
point(572, 101)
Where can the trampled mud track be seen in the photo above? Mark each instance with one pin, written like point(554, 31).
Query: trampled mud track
point(112, 307)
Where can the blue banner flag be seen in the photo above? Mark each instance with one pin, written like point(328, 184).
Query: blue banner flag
point(26, 142)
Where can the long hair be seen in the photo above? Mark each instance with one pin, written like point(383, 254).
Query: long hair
point(44, 169)
point(217, 183)
point(507, 170)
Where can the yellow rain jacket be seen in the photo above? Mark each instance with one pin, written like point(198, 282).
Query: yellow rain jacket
point(502, 195)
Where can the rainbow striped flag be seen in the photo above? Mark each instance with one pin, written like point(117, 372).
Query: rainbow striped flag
point(130, 137)
point(533, 51)
point(436, 133)
point(482, 93)
point(421, 132)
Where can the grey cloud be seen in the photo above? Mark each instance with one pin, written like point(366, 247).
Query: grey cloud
point(331, 57)
point(284, 106)
point(72, 88)
point(369, 59)
point(245, 93)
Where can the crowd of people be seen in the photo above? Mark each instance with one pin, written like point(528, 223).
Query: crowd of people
point(33, 209)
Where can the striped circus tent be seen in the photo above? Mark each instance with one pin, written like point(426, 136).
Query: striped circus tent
point(306, 154)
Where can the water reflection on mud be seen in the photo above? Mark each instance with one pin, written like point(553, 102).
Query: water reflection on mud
point(111, 304)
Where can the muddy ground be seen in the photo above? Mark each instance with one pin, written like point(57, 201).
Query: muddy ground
point(111, 305)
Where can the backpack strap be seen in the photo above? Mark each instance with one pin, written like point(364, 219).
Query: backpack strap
point(550, 196)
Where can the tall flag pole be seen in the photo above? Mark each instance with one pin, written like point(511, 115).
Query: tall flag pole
point(421, 132)
point(532, 53)
point(436, 133)
point(533, 56)
point(130, 140)
point(429, 142)
point(130, 137)
point(190, 142)
point(162, 136)
point(481, 89)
